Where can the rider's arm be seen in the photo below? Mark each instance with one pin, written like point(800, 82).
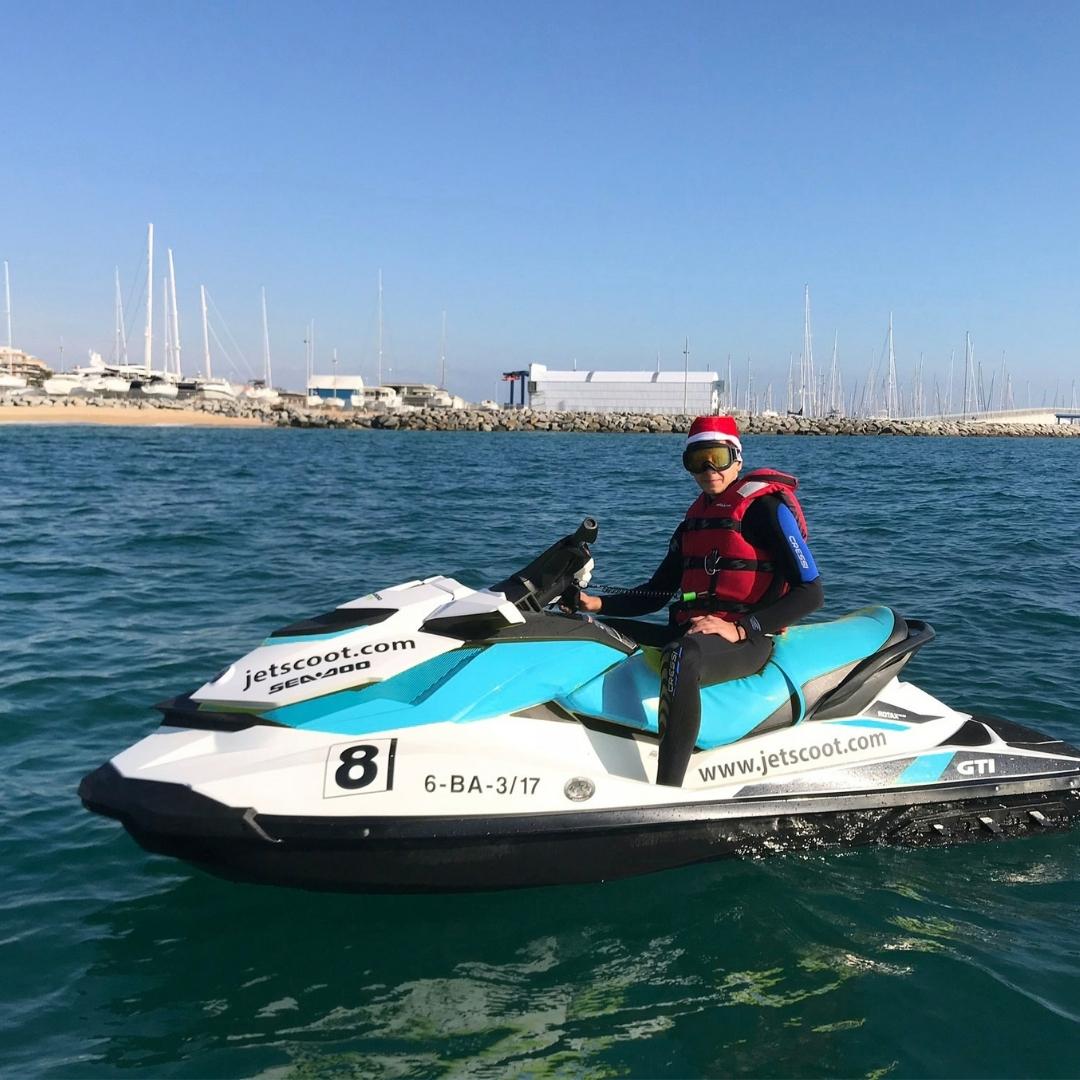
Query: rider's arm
point(770, 524)
point(658, 589)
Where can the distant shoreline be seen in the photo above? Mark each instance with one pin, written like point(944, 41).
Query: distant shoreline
point(254, 414)
point(120, 415)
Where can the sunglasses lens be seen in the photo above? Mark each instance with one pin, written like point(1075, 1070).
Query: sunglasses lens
point(716, 457)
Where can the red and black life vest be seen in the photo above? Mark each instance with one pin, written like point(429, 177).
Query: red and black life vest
point(731, 576)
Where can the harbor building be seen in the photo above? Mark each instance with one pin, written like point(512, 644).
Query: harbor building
point(693, 393)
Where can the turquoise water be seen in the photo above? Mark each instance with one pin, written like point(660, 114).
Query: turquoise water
point(133, 563)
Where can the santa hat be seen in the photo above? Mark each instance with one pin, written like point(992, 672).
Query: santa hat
point(709, 430)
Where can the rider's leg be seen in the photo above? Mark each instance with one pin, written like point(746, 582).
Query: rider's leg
point(653, 634)
point(689, 663)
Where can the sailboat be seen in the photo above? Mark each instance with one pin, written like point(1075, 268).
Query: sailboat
point(153, 383)
point(378, 398)
point(102, 378)
point(208, 386)
point(313, 400)
point(263, 389)
point(9, 381)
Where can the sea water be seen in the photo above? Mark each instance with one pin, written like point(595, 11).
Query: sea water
point(135, 563)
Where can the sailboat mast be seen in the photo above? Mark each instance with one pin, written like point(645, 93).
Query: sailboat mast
point(442, 354)
point(166, 333)
point(891, 408)
point(380, 328)
point(175, 316)
point(807, 378)
point(969, 373)
point(307, 356)
point(205, 332)
point(121, 333)
point(686, 372)
point(834, 407)
point(267, 380)
point(7, 307)
point(148, 344)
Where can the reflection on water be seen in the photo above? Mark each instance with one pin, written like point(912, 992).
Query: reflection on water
point(753, 964)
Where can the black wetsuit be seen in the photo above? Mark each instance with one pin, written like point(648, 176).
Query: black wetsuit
point(696, 660)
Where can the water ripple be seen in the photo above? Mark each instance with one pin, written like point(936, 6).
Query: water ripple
point(134, 563)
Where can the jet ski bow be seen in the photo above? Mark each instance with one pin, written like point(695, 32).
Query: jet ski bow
point(432, 736)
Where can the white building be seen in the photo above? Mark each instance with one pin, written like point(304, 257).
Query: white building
point(341, 387)
point(695, 393)
point(427, 396)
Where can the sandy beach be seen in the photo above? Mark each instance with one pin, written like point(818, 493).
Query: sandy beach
point(120, 415)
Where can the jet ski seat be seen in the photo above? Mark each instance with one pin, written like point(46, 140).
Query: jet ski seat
point(815, 671)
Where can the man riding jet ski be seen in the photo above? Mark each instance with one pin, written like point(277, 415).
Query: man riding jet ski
point(432, 736)
point(741, 566)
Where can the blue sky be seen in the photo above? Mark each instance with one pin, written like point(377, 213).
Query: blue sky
point(588, 181)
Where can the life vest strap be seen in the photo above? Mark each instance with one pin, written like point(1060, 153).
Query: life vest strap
point(712, 603)
point(703, 524)
point(714, 565)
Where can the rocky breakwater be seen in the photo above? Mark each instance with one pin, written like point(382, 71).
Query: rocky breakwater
point(287, 414)
point(645, 424)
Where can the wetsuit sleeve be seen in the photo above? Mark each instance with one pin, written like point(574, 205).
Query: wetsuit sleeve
point(771, 525)
point(658, 589)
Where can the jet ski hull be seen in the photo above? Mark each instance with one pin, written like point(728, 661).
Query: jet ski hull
point(414, 854)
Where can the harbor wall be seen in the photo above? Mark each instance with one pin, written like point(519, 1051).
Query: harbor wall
point(290, 415)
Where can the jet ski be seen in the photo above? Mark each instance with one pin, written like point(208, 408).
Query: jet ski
point(432, 736)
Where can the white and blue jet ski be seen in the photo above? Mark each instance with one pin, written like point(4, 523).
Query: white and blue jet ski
point(434, 737)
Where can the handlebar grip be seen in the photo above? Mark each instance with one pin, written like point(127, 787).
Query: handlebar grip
point(586, 532)
point(570, 598)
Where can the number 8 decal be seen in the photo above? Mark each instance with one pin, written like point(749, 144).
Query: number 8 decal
point(359, 768)
point(362, 757)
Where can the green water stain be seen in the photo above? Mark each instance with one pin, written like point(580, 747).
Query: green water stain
point(923, 945)
point(930, 926)
point(762, 988)
point(882, 1070)
point(569, 1063)
point(908, 891)
point(838, 1025)
point(755, 988)
point(593, 1001)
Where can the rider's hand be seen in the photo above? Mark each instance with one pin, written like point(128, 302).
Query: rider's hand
point(713, 624)
point(587, 602)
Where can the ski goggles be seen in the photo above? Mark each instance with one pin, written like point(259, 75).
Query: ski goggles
point(718, 458)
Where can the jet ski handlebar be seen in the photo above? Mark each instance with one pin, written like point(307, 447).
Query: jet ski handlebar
point(562, 567)
point(586, 532)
